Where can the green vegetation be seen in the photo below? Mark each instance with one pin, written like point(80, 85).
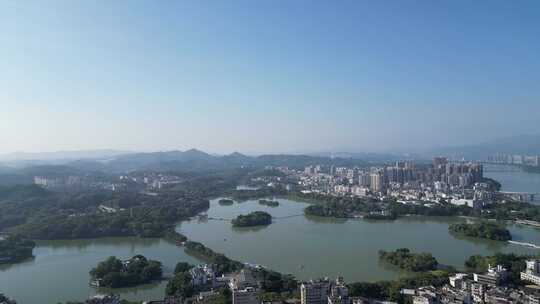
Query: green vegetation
point(15, 249)
point(226, 202)
point(512, 262)
point(406, 260)
point(483, 230)
point(223, 263)
point(257, 218)
point(275, 282)
point(182, 267)
point(40, 214)
point(180, 285)
point(346, 207)
point(390, 290)
point(341, 207)
point(268, 203)
point(114, 273)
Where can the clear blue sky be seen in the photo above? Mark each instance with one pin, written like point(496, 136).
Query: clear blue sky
point(266, 76)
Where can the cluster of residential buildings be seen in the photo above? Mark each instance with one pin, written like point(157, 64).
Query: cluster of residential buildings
point(406, 175)
point(511, 159)
point(459, 183)
point(482, 288)
point(244, 287)
point(324, 291)
point(151, 180)
point(146, 181)
point(462, 288)
point(76, 182)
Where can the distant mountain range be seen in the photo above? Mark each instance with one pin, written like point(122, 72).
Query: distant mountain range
point(521, 145)
point(190, 160)
point(61, 155)
point(198, 160)
point(113, 161)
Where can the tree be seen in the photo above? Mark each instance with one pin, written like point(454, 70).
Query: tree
point(180, 285)
point(182, 267)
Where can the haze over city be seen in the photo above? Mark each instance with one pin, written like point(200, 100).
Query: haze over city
point(266, 76)
point(269, 152)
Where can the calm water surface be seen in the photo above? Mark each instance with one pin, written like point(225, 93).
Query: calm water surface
point(311, 247)
point(515, 181)
point(59, 271)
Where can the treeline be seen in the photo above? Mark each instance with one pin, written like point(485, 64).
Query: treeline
point(342, 207)
point(345, 207)
point(483, 230)
point(15, 249)
point(223, 263)
point(114, 273)
point(38, 214)
point(143, 221)
point(405, 259)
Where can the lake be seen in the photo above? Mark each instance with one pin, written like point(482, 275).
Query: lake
point(515, 181)
point(311, 247)
point(59, 271)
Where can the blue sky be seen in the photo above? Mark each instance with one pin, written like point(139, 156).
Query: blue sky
point(266, 76)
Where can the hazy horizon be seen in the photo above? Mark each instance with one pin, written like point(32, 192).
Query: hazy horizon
point(266, 77)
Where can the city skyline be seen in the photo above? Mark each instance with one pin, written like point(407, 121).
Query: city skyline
point(274, 77)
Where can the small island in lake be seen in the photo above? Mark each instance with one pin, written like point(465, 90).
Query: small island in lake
point(484, 230)
point(405, 259)
point(226, 202)
point(269, 203)
point(257, 218)
point(115, 273)
point(14, 249)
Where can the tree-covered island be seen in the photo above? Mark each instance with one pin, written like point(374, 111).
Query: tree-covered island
point(14, 249)
point(405, 259)
point(225, 202)
point(484, 230)
point(257, 218)
point(268, 203)
point(115, 273)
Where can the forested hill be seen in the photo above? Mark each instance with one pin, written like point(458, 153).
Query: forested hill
point(190, 160)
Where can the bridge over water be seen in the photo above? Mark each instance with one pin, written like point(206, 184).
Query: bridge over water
point(523, 196)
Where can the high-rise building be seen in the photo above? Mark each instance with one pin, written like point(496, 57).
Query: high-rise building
point(248, 295)
point(339, 293)
point(324, 291)
point(439, 161)
point(315, 292)
point(532, 272)
point(376, 181)
point(364, 179)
